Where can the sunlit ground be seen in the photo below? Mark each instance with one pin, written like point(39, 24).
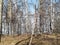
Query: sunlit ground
point(40, 39)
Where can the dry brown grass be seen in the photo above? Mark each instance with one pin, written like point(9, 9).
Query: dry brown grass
point(42, 39)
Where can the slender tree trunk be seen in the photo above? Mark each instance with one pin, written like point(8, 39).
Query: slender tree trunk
point(9, 12)
point(1, 5)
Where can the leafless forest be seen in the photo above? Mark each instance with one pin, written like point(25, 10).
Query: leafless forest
point(31, 21)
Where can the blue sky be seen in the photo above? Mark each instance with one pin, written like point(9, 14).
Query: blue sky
point(31, 6)
point(37, 2)
point(54, 1)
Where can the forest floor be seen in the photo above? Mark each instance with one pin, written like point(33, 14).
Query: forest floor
point(40, 39)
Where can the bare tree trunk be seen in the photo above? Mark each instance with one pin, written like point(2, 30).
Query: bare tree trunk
point(27, 21)
point(51, 16)
point(35, 26)
point(1, 5)
point(9, 12)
